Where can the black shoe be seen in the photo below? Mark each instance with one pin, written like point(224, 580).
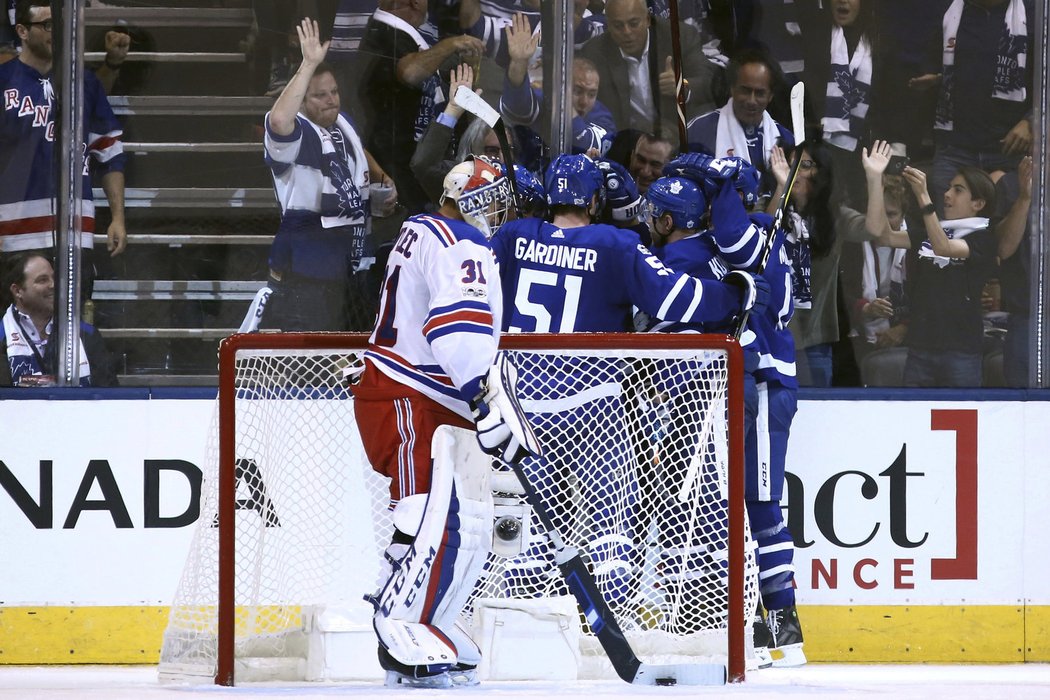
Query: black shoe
point(786, 632)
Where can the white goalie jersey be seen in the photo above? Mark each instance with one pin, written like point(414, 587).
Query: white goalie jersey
point(440, 314)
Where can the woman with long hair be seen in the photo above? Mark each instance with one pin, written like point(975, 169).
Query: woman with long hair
point(817, 224)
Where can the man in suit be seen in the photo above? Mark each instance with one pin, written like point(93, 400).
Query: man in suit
point(636, 78)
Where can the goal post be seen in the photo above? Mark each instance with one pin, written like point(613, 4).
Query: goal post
point(643, 470)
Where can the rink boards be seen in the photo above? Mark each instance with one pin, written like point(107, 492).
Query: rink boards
point(918, 523)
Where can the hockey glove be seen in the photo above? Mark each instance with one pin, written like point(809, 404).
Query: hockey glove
point(503, 430)
point(755, 289)
point(723, 168)
point(690, 165)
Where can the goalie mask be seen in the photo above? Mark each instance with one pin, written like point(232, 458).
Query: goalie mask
point(481, 191)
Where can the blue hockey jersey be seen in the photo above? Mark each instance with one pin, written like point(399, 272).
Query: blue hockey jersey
point(27, 137)
point(586, 279)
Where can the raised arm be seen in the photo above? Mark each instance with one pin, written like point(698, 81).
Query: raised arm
point(282, 116)
point(939, 241)
point(874, 163)
point(778, 164)
point(117, 46)
point(1010, 231)
point(414, 68)
point(521, 45)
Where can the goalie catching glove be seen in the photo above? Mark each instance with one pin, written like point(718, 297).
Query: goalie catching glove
point(503, 430)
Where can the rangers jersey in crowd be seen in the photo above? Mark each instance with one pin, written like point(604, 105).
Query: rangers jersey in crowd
point(439, 318)
point(27, 169)
point(586, 279)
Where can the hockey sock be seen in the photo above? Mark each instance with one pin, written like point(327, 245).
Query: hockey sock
point(776, 551)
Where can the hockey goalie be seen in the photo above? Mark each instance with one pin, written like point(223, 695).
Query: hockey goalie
point(430, 382)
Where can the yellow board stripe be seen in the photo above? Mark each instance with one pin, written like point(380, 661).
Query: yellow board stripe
point(837, 634)
point(88, 635)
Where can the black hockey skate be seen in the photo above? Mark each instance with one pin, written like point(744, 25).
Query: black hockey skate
point(762, 638)
point(786, 632)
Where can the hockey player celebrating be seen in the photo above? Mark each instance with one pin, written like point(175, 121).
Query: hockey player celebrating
point(770, 386)
point(590, 275)
point(570, 274)
point(430, 373)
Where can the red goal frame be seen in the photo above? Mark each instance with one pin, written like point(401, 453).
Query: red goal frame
point(230, 346)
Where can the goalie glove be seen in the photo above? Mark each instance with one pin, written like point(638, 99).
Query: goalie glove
point(503, 430)
point(755, 290)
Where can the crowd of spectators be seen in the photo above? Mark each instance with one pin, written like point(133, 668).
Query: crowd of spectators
point(906, 105)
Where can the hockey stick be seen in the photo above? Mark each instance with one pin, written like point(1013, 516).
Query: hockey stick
point(798, 131)
point(596, 611)
point(583, 587)
point(471, 102)
point(679, 79)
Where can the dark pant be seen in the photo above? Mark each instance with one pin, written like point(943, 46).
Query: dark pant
point(303, 304)
point(306, 304)
point(944, 368)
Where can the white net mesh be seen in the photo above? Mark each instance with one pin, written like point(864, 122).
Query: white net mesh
point(633, 474)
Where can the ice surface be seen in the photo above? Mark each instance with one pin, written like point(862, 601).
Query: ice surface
point(926, 682)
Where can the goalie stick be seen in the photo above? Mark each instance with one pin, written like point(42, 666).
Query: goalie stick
point(470, 101)
point(596, 610)
point(798, 131)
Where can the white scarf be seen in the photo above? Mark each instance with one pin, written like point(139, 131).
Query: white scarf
point(870, 283)
point(343, 205)
point(956, 229)
point(846, 106)
point(22, 338)
point(1012, 60)
point(730, 139)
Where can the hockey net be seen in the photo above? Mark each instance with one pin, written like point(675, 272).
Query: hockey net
point(642, 471)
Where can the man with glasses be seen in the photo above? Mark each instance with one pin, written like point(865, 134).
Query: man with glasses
point(743, 127)
point(27, 137)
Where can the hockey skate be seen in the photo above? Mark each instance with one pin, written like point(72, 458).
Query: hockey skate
point(463, 675)
point(786, 633)
point(763, 639)
point(399, 675)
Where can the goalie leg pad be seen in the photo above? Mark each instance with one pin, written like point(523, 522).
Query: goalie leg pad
point(450, 530)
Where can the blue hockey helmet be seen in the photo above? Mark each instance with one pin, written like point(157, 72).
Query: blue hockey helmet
point(530, 189)
point(573, 180)
point(680, 197)
point(622, 201)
